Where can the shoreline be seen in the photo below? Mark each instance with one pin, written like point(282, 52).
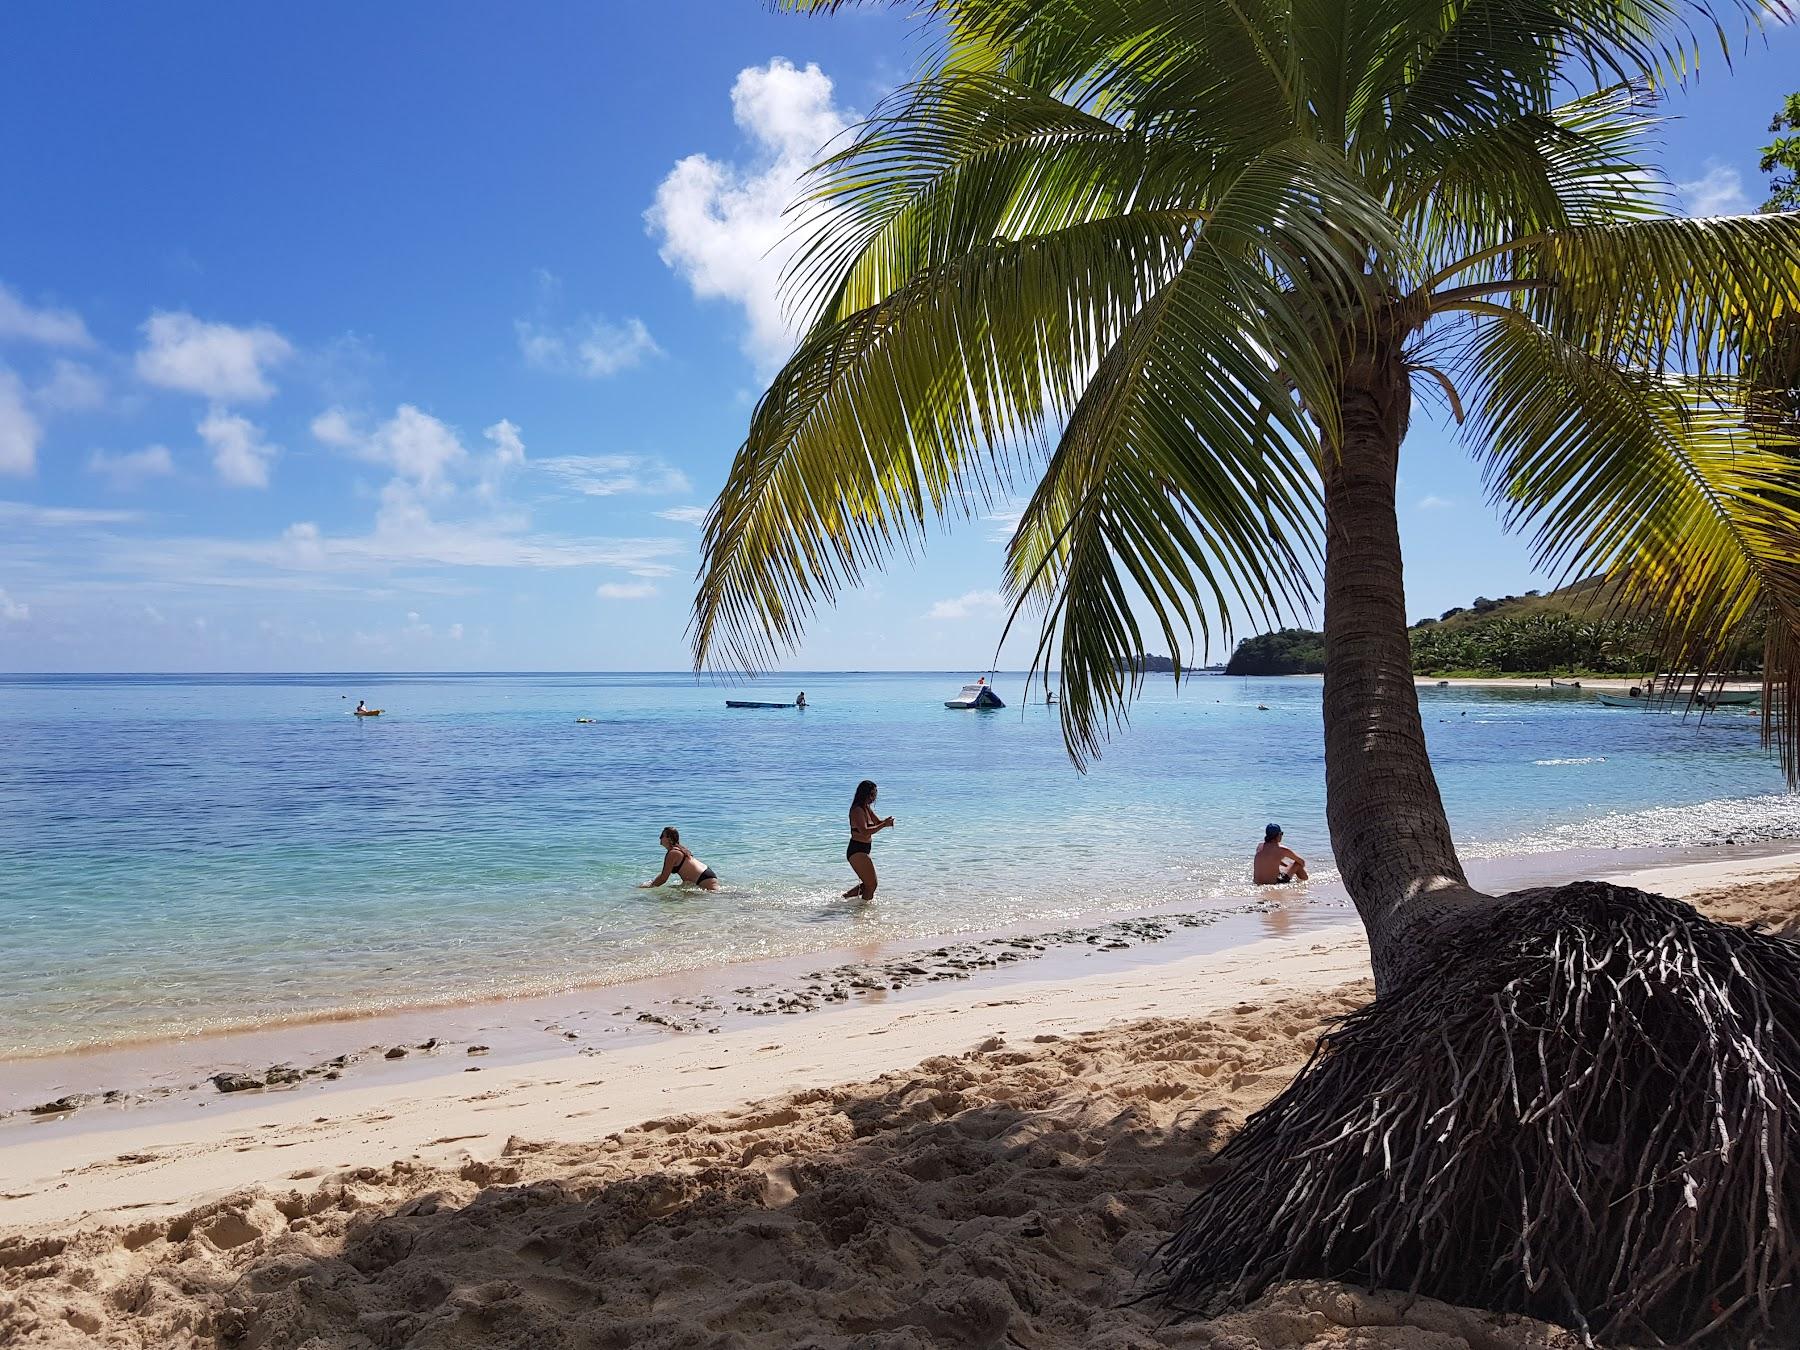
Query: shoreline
point(109, 1085)
point(1604, 684)
point(103, 1165)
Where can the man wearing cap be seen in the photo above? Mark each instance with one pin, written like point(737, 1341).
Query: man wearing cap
point(1275, 863)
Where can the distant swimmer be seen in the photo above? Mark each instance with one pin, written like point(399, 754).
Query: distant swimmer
point(1275, 863)
point(864, 826)
point(801, 701)
point(680, 863)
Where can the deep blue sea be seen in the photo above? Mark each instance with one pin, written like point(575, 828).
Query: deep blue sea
point(181, 853)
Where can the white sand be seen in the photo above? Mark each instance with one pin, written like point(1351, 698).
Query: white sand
point(984, 1166)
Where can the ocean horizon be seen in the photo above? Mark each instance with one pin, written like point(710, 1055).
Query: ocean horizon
point(191, 852)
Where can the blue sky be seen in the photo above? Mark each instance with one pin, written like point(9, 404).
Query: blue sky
point(412, 336)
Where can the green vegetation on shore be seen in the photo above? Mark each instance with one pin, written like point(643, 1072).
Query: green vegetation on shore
point(1567, 633)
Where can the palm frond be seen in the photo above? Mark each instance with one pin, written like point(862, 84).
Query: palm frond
point(913, 407)
point(961, 162)
point(1669, 293)
point(1663, 483)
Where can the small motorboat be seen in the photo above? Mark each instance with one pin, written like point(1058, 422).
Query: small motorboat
point(978, 695)
point(746, 703)
point(1614, 701)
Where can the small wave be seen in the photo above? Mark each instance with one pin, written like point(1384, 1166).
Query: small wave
point(1731, 820)
point(1578, 759)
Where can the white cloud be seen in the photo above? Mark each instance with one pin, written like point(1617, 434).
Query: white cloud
point(685, 515)
point(19, 430)
point(48, 327)
point(132, 468)
point(594, 347)
point(1433, 502)
point(508, 454)
point(1717, 192)
point(407, 535)
point(723, 227)
point(454, 632)
point(509, 447)
point(215, 360)
point(625, 590)
point(414, 444)
point(610, 475)
point(240, 454)
point(11, 610)
point(1005, 522)
point(968, 605)
point(50, 517)
point(72, 387)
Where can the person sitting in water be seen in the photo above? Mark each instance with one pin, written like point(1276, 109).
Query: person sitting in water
point(801, 701)
point(1275, 863)
point(679, 862)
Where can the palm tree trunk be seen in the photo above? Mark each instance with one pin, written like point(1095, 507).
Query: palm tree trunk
point(1388, 827)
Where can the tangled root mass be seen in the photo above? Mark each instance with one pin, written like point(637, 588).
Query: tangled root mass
point(1588, 1111)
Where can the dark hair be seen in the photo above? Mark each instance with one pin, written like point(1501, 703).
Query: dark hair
point(1271, 832)
point(672, 832)
point(865, 792)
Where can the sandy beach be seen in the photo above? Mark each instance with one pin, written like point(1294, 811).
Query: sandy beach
point(982, 1163)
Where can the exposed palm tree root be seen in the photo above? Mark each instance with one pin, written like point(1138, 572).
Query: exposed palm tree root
point(1588, 1110)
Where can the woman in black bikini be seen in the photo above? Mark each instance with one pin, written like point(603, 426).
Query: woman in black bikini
point(864, 826)
point(680, 863)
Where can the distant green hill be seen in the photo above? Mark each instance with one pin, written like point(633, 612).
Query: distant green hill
point(1570, 631)
point(1581, 599)
point(1292, 651)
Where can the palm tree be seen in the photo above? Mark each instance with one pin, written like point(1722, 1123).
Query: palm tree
point(1185, 264)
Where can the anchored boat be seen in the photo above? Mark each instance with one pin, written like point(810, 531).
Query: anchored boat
point(978, 695)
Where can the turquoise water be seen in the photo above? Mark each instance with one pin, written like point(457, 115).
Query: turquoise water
point(182, 853)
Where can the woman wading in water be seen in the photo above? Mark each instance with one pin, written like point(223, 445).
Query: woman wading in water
point(864, 825)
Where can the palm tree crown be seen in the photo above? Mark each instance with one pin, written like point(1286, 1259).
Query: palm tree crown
point(1154, 255)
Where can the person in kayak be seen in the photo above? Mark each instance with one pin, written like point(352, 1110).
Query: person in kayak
point(864, 826)
point(679, 862)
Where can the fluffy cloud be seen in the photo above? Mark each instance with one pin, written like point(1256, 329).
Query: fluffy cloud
point(1433, 502)
point(11, 610)
point(132, 468)
point(685, 515)
point(414, 444)
point(625, 590)
point(215, 360)
point(72, 387)
point(610, 475)
point(48, 327)
point(509, 447)
point(1717, 192)
point(594, 347)
point(723, 227)
point(19, 430)
point(240, 454)
point(968, 605)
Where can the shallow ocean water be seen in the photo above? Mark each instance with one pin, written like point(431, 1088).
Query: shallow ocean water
point(181, 853)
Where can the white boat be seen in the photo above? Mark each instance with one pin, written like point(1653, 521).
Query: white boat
point(978, 695)
point(1728, 698)
point(1614, 701)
